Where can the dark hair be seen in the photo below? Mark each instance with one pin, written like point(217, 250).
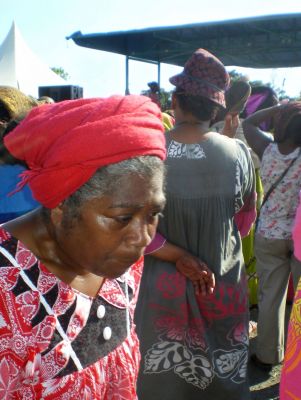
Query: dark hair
point(200, 107)
point(293, 130)
point(105, 181)
point(4, 113)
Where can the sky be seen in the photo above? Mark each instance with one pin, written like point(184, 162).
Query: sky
point(44, 26)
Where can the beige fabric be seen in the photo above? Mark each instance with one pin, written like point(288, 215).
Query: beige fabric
point(273, 268)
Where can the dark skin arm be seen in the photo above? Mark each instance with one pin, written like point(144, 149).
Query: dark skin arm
point(190, 266)
point(257, 139)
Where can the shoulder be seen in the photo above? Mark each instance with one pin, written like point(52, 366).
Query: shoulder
point(236, 146)
point(271, 149)
point(242, 148)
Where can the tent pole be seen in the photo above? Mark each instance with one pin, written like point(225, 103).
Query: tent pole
point(127, 90)
point(159, 73)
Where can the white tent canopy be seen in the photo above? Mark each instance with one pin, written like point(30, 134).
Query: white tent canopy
point(21, 68)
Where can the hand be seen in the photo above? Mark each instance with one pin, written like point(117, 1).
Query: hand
point(231, 123)
point(198, 272)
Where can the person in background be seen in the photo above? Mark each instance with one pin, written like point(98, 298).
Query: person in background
point(168, 121)
point(13, 107)
point(290, 386)
point(243, 100)
point(194, 346)
point(236, 97)
point(70, 270)
point(154, 92)
point(281, 177)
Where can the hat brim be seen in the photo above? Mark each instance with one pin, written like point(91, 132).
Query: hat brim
point(197, 88)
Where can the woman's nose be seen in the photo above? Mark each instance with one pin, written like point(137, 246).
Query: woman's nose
point(140, 234)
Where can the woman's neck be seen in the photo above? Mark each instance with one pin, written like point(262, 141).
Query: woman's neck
point(192, 122)
point(36, 234)
point(189, 130)
point(286, 148)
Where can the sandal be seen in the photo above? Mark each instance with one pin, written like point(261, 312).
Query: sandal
point(252, 327)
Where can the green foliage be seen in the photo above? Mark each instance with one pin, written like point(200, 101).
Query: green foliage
point(165, 98)
point(237, 76)
point(61, 72)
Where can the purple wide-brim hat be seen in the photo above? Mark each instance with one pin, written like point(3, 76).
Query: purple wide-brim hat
point(203, 75)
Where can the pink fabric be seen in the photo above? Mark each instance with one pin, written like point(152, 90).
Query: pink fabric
point(297, 231)
point(246, 216)
point(290, 387)
point(254, 101)
point(253, 104)
point(156, 244)
point(244, 221)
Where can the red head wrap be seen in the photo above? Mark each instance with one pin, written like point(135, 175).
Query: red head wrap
point(65, 143)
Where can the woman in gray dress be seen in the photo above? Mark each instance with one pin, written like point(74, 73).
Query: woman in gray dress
point(196, 347)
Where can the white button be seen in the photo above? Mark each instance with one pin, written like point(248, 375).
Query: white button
point(107, 333)
point(101, 311)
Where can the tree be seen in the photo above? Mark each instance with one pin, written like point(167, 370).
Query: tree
point(61, 72)
point(237, 76)
point(164, 97)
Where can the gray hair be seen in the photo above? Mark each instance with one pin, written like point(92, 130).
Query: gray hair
point(107, 179)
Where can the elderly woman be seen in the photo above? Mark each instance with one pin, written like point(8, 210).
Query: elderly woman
point(196, 347)
point(69, 271)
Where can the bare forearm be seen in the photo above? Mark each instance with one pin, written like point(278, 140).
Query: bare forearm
point(188, 265)
point(262, 115)
point(169, 252)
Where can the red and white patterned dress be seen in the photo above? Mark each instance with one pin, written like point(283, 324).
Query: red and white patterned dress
point(35, 361)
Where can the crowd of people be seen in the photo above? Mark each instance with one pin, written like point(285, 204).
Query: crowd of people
point(134, 241)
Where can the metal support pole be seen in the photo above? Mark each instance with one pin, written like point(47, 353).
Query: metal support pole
point(159, 73)
point(127, 89)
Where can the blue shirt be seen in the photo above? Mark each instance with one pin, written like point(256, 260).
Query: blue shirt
point(20, 202)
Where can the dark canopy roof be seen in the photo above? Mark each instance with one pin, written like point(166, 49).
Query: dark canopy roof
point(257, 42)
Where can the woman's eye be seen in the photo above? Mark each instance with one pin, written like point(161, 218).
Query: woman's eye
point(156, 214)
point(123, 219)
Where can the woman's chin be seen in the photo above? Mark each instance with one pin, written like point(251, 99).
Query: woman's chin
point(114, 269)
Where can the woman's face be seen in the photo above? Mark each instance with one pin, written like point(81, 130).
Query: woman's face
point(112, 232)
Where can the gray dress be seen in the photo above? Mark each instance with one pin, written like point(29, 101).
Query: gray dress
point(196, 347)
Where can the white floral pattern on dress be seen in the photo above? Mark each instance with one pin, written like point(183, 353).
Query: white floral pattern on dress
point(189, 151)
point(277, 214)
